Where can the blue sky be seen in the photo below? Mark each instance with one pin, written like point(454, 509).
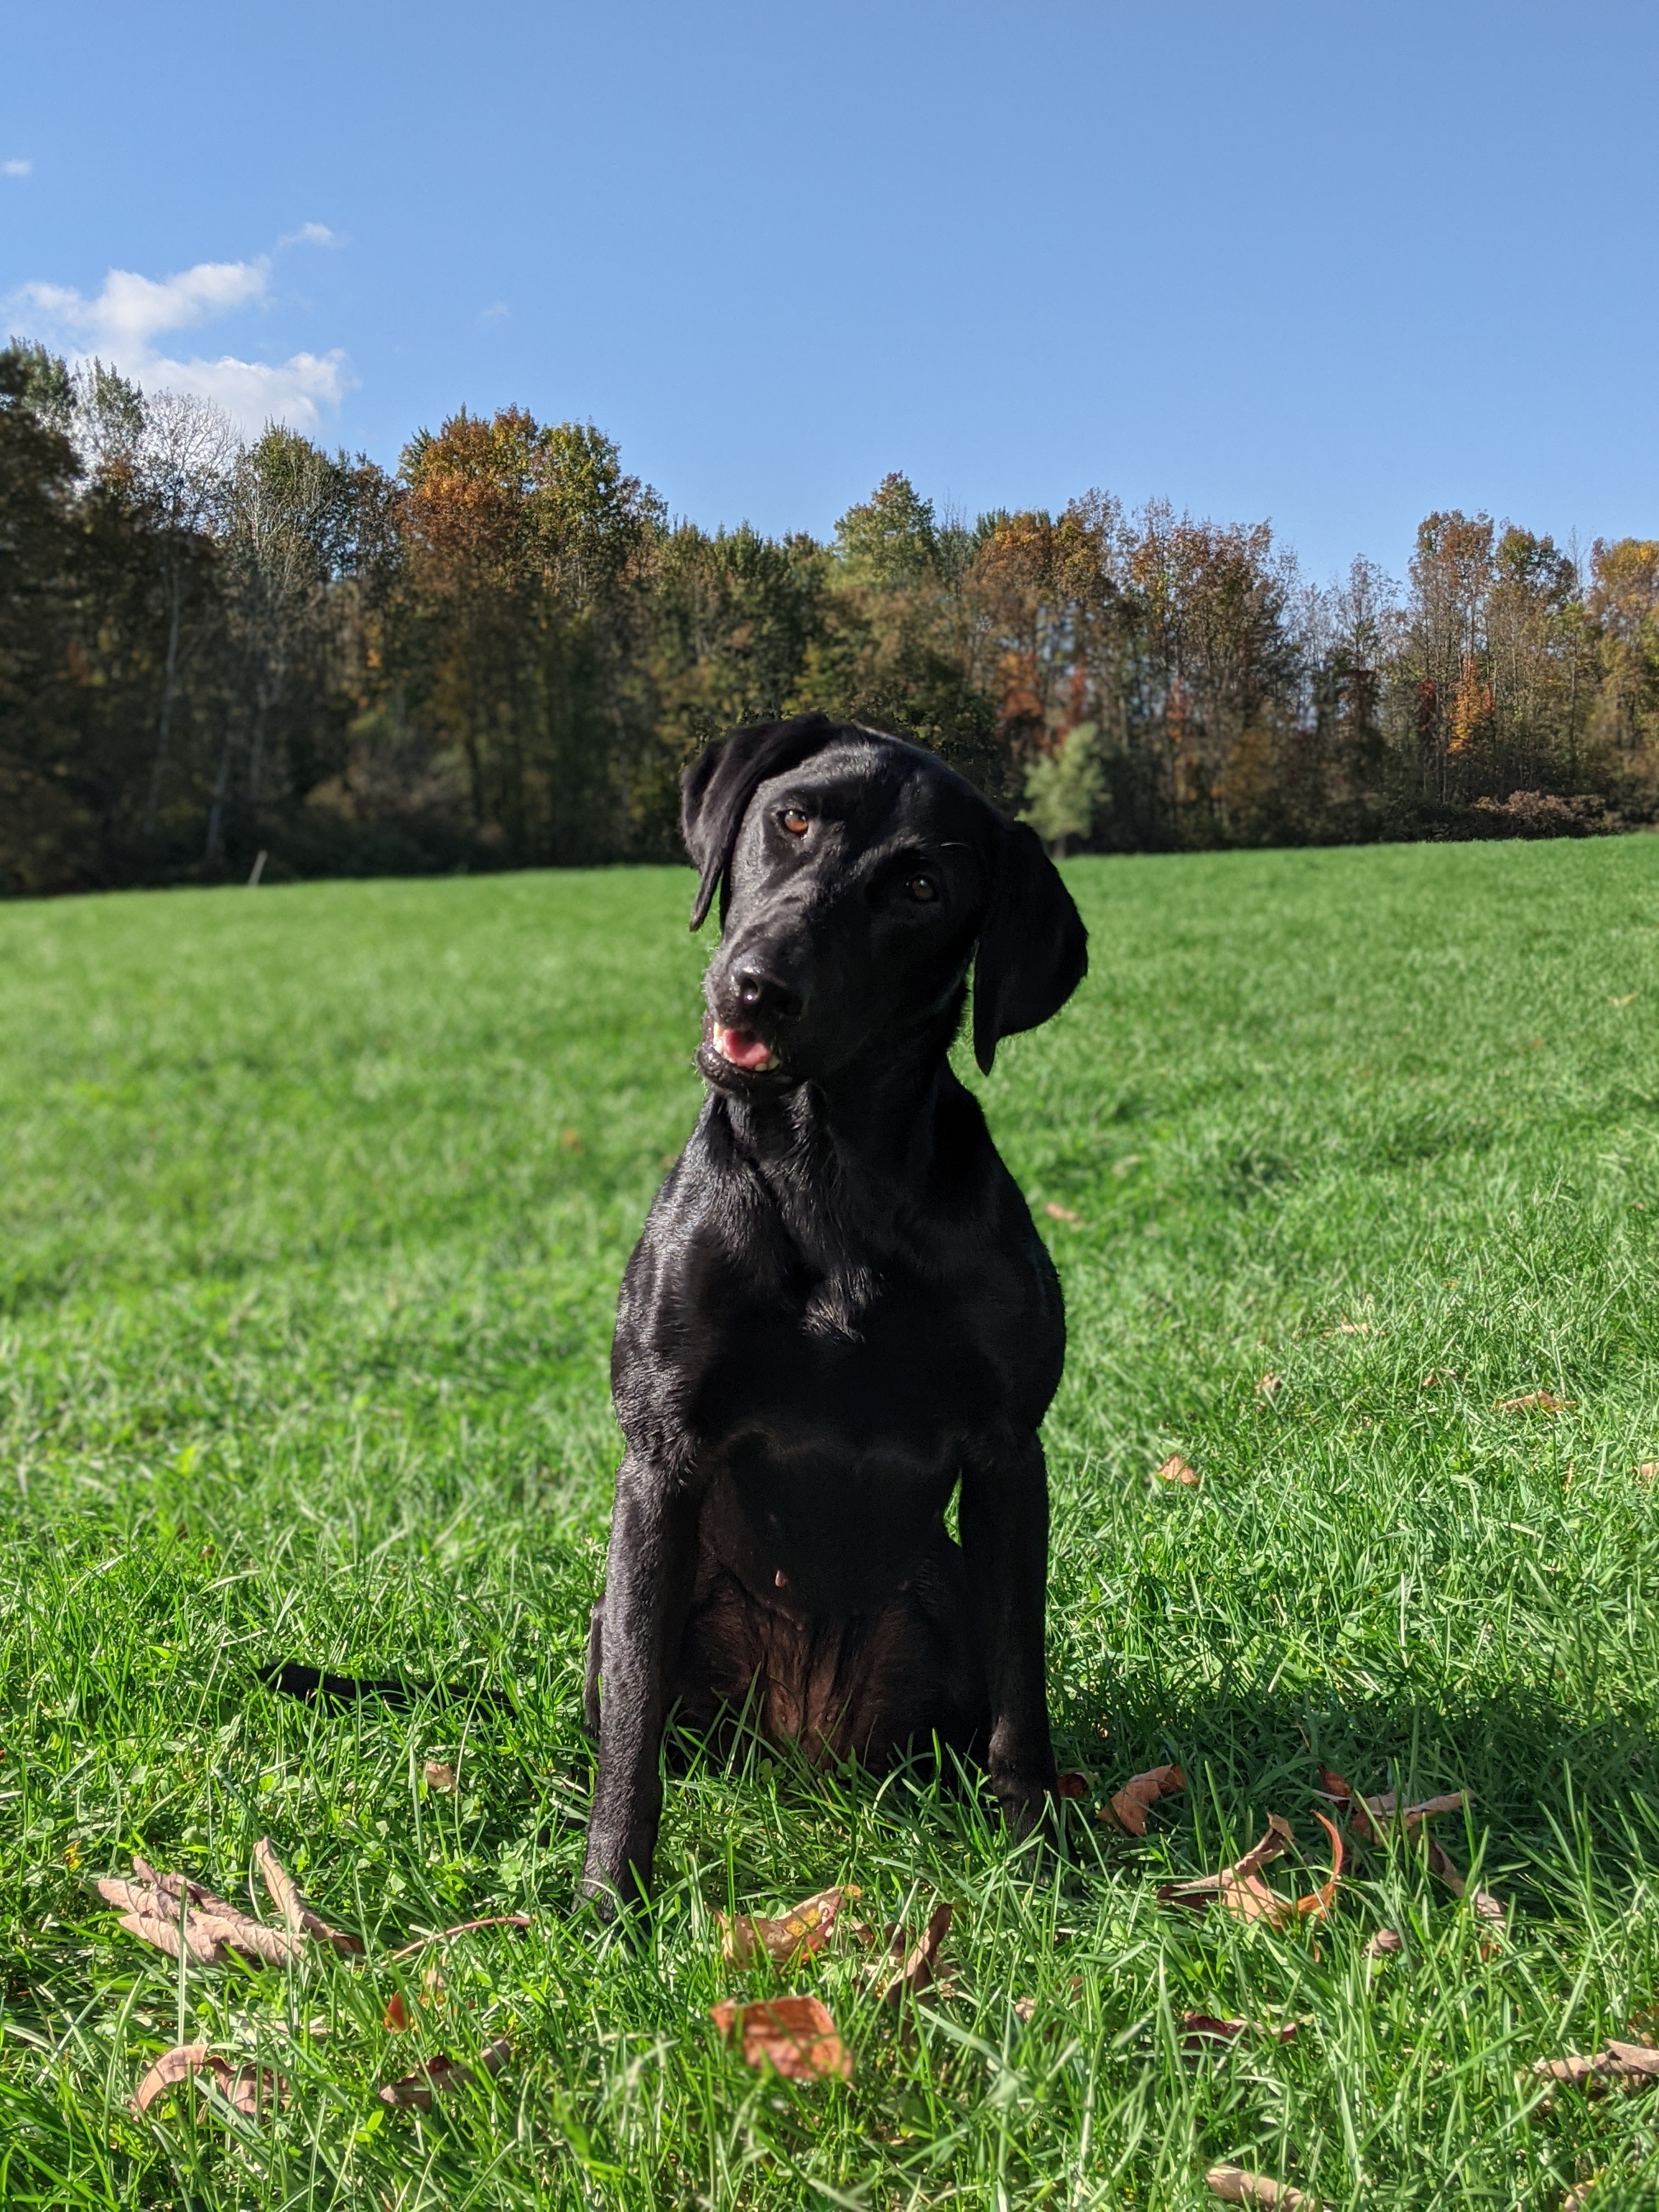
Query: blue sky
point(1333, 264)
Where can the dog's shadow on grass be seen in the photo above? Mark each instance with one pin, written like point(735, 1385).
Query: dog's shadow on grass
point(1532, 1772)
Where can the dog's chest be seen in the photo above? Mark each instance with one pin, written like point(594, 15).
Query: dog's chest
point(876, 1367)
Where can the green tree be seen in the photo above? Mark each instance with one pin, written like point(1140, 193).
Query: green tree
point(1063, 789)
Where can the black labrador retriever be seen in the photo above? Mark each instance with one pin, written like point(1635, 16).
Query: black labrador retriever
point(840, 1308)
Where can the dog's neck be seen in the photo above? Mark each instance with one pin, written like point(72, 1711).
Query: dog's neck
point(866, 1130)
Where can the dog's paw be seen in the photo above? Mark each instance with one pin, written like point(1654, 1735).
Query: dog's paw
point(1024, 1798)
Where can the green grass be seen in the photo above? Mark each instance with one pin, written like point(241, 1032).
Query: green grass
point(313, 1206)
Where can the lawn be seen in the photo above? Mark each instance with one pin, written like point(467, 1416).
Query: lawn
point(312, 1207)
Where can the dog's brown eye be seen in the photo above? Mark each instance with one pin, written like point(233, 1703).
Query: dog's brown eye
point(794, 822)
point(922, 889)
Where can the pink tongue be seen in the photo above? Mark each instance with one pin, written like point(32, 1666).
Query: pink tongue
point(742, 1048)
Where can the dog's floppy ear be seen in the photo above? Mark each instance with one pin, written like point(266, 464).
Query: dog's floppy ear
point(1033, 948)
point(716, 789)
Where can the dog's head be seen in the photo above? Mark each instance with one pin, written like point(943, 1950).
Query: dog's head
point(857, 874)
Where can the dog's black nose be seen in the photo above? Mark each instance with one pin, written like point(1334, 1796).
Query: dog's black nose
point(761, 992)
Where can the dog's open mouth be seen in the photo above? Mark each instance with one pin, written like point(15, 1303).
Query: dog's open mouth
point(742, 1048)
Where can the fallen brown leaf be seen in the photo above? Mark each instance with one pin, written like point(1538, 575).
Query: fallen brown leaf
point(1070, 1785)
point(1129, 1805)
point(1235, 2186)
point(793, 2035)
point(251, 2089)
point(1483, 1904)
point(1060, 1212)
point(438, 1776)
point(1199, 1891)
point(1648, 1469)
point(396, 2018)
point(299, 1916)
point(921, 1961)
point(1269, 1386)
point(1352, 1328)
point(1540, 1401)
point(1176, 1470)
point(1023, 2008)
point(1384, 1944)
point(181, 1917)
point(1240, 1888)
point(805, 1928)
point(174, 1914)
point(437, 2074)
point(1620, 2066)
point(461, 1928)
point(571, 1139)
point(1199, 2029)
point(1369, 1816)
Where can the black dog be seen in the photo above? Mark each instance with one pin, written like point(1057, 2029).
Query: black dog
point(840, 1307)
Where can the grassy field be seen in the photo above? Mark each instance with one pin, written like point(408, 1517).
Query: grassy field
point(313, 1206)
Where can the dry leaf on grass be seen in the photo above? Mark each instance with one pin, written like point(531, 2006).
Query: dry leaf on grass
point(1060, 1212)
point(793, 2035)
point(179, 1916)
point(1540, 1401)
point(299, 1916)
point(1240, 1889)
point(461, 1928)
point(437, 2075)
point(1620, 2066)
point(440, 1777)
point(1070, 1785)
point(1483, 1905)
point(1200, 2028)
point(251, 2089)
point(1369, 1816)
point(1384, 1944)
point(921, 1961)
point(805, 1928)
point(1176, 1470)
point(1269, 1386)
point(1352, 1328)
point(176, 1915)
point(1129, 1805)
point(1648, 1469)
point(1235, 2186)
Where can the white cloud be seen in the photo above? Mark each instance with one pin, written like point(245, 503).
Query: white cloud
point(311, 233)
point(122, 324)
point(15, 168)
point(495, 312)
point(254, 392)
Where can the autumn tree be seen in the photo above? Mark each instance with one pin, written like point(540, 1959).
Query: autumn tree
point(527, 564)
point(1623, 608)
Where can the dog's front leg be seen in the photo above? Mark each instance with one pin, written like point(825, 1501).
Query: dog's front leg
point(1004, 1525)
point(648, 1579)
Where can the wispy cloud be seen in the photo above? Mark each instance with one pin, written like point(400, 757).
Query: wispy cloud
point(123, 323)
point(495, 312)
point(311, 233)
point(15, 168)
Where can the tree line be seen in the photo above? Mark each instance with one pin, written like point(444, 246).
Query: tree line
point(213, 649)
